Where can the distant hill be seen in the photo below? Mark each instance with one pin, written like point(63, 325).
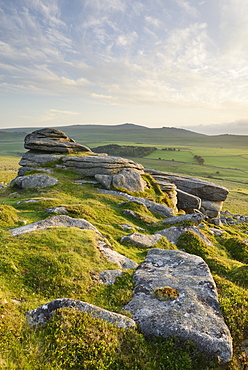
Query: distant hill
point(127, 133)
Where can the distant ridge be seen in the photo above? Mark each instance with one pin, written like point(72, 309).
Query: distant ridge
point(132, 133)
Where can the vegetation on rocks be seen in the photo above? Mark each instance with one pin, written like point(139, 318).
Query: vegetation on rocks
point(62, 262)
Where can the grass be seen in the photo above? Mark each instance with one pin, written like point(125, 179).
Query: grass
point(62, 262)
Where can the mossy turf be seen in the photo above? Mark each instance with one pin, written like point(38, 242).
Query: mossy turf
point(40, 266)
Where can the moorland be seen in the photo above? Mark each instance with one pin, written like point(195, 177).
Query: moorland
point(65, 262)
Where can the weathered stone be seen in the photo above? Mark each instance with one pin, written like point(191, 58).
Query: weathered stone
point(104, 180)
point(147, 219)
point(211, 209)
point(173, 233)
point(60, 209)
point(130, 180)
point(43, 313)
point(171, 191)
point(115, 257)
point(203, 189)
point(216, 232)
point(23, 170)
point(55, 221)
point(141, 240)
point(187, 202)
point(195, 218)
point(32, 160)
point(52, 140)
point(160, 209)
point(32, 181)
point(193, 313)
point(92, 165)
point(108, 277)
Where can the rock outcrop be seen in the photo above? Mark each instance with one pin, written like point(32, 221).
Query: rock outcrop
point(43, 313)
point(52, 141)
point(211, 194)
point(175, 295)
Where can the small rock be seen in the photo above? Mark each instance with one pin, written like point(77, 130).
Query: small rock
point(115, 257)
point(141, 240)
point(108, 277)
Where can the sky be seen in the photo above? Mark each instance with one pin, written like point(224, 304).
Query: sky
point(154, 63)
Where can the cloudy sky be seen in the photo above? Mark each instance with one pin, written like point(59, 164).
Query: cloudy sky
point(150, 62)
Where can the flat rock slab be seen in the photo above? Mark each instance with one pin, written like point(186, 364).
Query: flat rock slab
point(41, 314)
point(32, 181)
point(141, 240)
point(160, 209)
point(191, 314)
point(55, 221)
point(173, 233)
point(92, 165)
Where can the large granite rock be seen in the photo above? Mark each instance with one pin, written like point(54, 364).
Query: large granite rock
point(43, 313)
point(32, 181)
point(175, 295)
point(53, 141)
point(92, 165)
point(203, 189)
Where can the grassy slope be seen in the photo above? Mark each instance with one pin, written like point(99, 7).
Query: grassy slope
point(45, 265)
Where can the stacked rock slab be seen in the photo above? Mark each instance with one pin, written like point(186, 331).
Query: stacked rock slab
point(208, 195)
point(53, 141)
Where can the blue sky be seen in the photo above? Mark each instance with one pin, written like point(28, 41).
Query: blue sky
point(154, 63)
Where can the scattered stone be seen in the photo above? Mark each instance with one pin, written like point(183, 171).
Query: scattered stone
point(94, 182)
point(126, 227)
point(195, 218)
point(43, 313)
point(141, 240)
point(108, 277)
point(173, 233)
point(32, 181)
point(115, 257)
point(192, 312)
point(216, 232)
point(52, 140)
point(55, 221)
point(32, 201)
point(61, 210)
point(160, 209)
point(146, 219)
